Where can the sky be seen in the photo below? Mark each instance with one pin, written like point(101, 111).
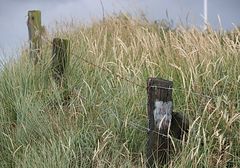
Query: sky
point(13, 15)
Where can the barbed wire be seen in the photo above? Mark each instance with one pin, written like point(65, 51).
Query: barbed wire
point(130, 81)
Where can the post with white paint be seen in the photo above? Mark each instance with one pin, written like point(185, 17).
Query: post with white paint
point(160, 105)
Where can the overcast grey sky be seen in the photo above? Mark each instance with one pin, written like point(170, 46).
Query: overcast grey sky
point(13, 14)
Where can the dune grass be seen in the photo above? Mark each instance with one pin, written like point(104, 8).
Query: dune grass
point(105, 123)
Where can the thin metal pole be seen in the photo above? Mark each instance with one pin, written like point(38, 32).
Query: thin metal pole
point(205, 14)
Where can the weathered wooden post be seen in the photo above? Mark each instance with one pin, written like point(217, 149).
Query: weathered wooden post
point(35, 32)
point(163, 122)
point(60, 62)
point(160, 105)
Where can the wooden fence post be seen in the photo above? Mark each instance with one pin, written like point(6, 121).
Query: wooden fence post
point(35, 32)
point(162, 122)
point(60, 62)
point(160, 105)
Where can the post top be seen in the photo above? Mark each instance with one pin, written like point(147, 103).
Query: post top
point(160, 82)
point(34, 11)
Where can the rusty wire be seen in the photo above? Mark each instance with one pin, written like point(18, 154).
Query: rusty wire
point(130, 81)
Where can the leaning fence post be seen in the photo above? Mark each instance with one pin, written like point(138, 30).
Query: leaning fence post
point(35, 32)
point(60, 61)
point(160, 105)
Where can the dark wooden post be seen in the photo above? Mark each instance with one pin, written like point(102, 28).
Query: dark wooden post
point(35, 32)
point(160, 105)
point(60, 60)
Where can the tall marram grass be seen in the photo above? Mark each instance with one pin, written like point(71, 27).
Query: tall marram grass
point(105, 123)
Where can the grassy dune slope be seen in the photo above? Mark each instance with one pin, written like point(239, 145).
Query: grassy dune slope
point(105, 123)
